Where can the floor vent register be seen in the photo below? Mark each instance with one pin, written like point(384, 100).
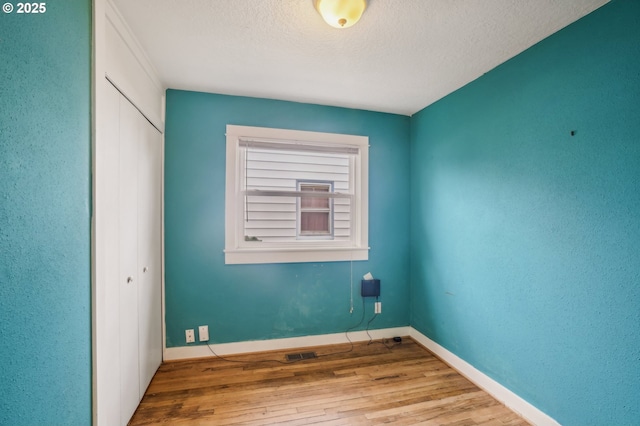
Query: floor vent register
point(301, 356)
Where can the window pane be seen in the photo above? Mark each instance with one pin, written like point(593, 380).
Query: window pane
point(314, 223)
point(278, 218)
point(313, 202)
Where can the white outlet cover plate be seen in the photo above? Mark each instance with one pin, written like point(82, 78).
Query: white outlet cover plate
point(190, 336)
point(203, 333)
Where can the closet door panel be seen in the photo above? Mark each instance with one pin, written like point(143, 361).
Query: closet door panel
point(129, 277)
point(149, 252)
point(108, 346)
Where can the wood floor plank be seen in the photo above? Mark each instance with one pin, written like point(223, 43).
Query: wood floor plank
point(363, 384)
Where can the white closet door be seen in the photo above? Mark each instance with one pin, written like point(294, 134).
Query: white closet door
point(149, 252)
point(135, 291)
point(128, 281)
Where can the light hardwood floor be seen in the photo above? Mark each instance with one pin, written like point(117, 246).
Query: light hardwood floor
point(368, 385)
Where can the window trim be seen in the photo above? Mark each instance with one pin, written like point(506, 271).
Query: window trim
point(303, 250)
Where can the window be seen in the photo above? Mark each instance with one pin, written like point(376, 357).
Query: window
point(295, 196)
point(315, 212)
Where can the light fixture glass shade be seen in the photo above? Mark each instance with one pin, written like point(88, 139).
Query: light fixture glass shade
point(340, 13)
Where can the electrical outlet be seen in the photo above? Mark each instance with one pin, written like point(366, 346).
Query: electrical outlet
point(190, 335)
point(203, 333)
point(378, 307)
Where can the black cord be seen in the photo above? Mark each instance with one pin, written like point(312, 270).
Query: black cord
point(367, 329)
point(369, 323)
point(253, 361)
point(382, 341)
point(346, 333)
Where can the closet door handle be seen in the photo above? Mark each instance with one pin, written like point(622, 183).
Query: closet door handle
point(145, 269)
point(129, 280)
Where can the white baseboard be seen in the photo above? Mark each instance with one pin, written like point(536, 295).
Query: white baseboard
point(493, 388)
point(202, 351)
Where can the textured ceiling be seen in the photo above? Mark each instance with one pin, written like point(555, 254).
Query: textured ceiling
point(402, 56)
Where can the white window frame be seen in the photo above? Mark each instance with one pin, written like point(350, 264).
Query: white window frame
point(238, 251)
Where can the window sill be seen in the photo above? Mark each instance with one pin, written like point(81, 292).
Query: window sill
point(294, 255)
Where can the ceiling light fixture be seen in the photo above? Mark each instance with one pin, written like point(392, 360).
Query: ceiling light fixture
point(340, 13)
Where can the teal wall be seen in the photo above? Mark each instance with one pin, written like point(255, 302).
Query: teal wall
point(257, 302)
point(45, 320)
point(525, 240)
